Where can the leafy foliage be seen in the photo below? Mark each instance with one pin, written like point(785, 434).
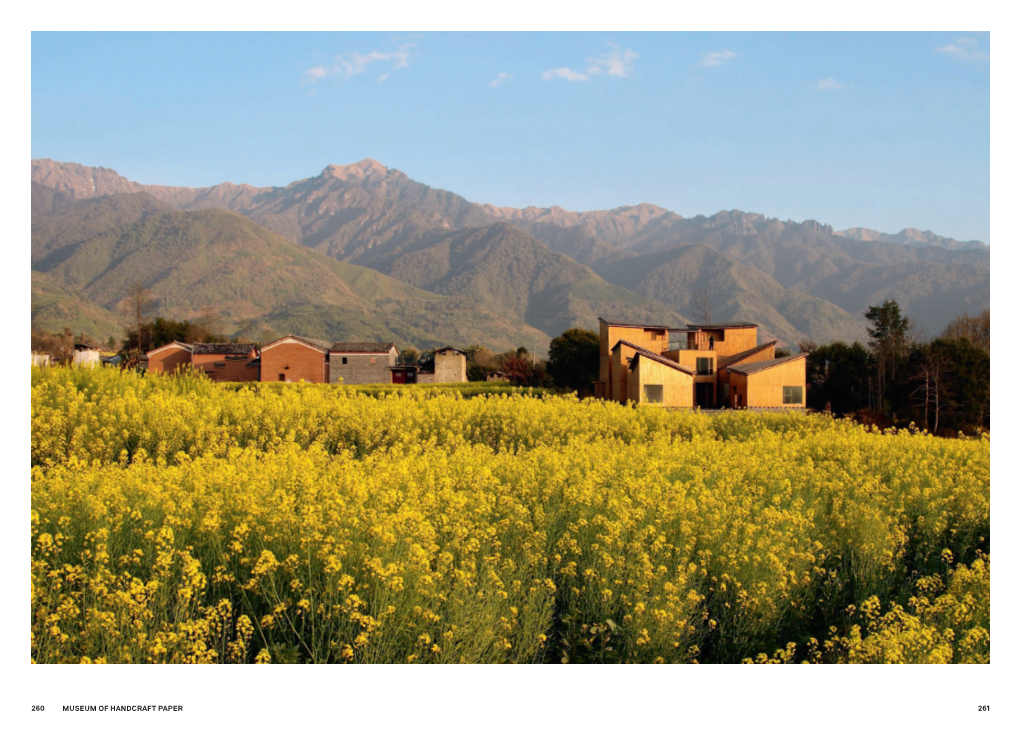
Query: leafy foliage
point(574, 359)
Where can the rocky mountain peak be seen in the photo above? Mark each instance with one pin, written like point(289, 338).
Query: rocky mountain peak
point(366, 169)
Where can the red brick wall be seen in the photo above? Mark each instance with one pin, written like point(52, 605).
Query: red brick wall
point(295, 362)
point(232, 370)
point(169, 360)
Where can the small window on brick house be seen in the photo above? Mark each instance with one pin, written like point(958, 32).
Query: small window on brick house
point(219, 365)
point(283, 376)
point(343, 361)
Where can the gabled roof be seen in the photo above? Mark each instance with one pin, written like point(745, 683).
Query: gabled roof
point(442, 349)
point(172, 345)
point(721, 325)
point(746, 369)
point(640, 351)
point(632, 324)
point(374, 348)
point(320, 345)
point(733, 360)
point(221, 348)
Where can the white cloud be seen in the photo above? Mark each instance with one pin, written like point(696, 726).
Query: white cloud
point(616, 63)
point(830, 83)
point(565, 73)
point(715, 58)
point(965, 49)
point(355, 63)
point(501, 78)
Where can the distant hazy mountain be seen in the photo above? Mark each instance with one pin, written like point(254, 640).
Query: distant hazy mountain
point(911, 237)
point(500, 266)
point(222, 260)
point(676, 276)
point(371, 215)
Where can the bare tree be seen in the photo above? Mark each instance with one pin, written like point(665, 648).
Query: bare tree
point(977, 329)
point(932, 374)
point(208, 327)
point(246, 330)
point(137, 306)
point(701, 306)
point(267, 334)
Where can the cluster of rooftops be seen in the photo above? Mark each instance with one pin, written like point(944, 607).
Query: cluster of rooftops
point(298, 358)
point(705, 365)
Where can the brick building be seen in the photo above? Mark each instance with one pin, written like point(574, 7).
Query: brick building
point(294, 358)
point(169, 358)
point(361, 362)
point(219, 361)
point(225, 361)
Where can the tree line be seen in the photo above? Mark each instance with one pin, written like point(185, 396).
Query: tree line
point(902, 377)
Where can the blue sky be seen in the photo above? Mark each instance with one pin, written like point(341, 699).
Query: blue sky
point(883, 130)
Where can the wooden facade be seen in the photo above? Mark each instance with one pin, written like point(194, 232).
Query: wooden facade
point(612, 383)
point(777, 383)
point(659, 381)
point(718, 365)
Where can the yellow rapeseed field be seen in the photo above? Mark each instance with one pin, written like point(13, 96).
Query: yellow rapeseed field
point(174, 520)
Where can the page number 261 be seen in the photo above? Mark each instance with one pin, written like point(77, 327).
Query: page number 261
point(984, 707)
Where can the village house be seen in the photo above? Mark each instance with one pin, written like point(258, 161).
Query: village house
point(168, 358)
point(405, 374)
point(294, 358)
point(707, 365)
point(219, 361)
point(226, 361)
point(86, 355)
point(361, 362)
point(445, 365)
point(450, 365)
point(41, 358)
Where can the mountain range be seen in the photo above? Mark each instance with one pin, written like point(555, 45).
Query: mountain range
point(363, 251)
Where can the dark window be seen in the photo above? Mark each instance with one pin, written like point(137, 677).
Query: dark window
point(219, 365)
point(343, 361)
point(653, 394)
point(283, 376)
point(793, 394)
point(705, 366)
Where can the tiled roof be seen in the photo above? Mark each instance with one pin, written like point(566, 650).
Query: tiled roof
point(746, 354)
point(441, 349)
point(381, 348)
point(747, 369)
point(632, 324)
point(654, 356)
point(217, 348)
point(317, 344)
point(721, 325)
point(182, 345)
